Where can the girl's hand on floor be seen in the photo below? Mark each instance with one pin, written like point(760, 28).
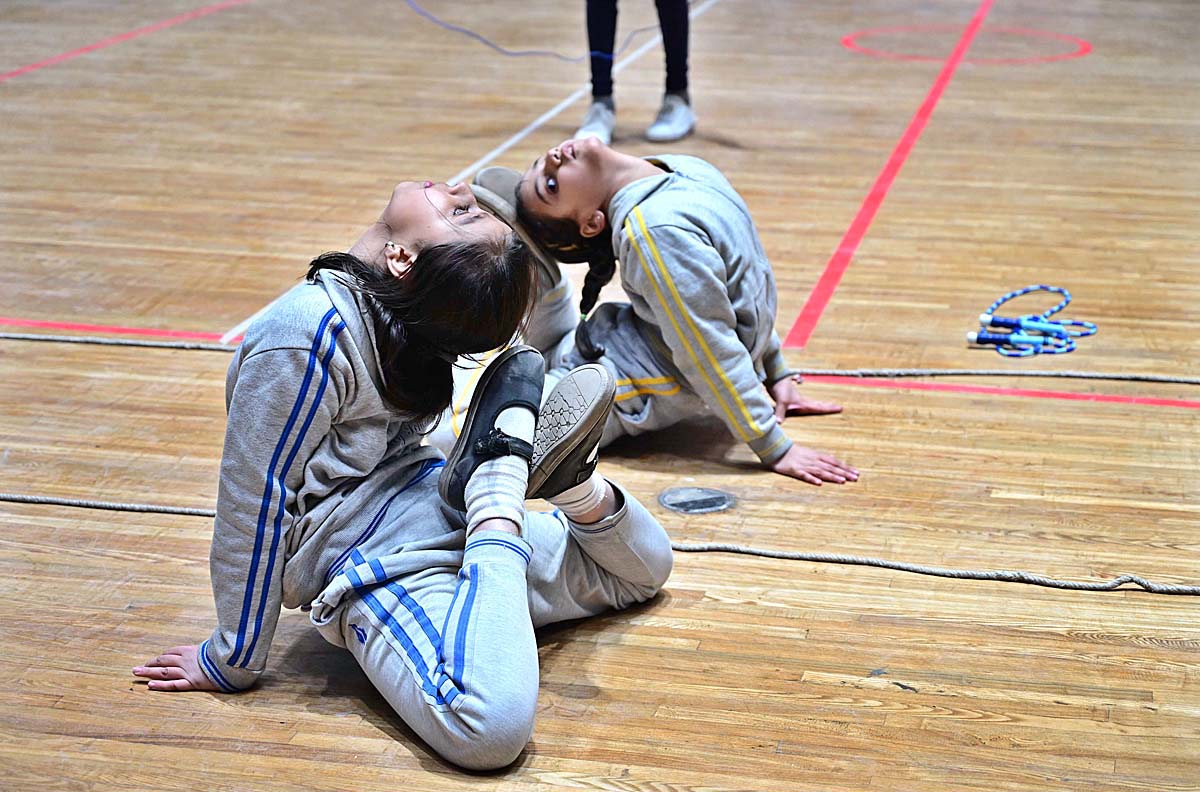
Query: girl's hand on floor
point(814, 467)
point(788, 401)
point(176, 670)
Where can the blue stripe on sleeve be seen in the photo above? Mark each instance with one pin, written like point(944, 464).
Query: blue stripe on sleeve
point(268, 491)
point(308, 419)
point(213, 672)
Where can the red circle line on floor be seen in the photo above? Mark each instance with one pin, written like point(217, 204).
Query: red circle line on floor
point(1082, 47)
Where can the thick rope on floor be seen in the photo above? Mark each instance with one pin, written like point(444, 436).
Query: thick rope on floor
point(1002, 575)
point(882, 373)
point(930, 372)
point(145, 508)
point(122, 342)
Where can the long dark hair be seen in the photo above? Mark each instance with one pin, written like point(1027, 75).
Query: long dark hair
point(562, 240)
point(456, 299)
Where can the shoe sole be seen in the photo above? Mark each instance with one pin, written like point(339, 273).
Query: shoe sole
point(574, 412)
point(460, 445)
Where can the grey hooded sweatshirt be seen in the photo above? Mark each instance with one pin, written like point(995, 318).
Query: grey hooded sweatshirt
point(313, 456)
point(703, 293)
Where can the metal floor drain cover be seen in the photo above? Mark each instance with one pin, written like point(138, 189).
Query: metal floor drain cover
point(696, 500)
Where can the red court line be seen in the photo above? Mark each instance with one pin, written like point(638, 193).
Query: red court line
point(802, 330)
point(1111, 398)
point(114, 329)
point(1082, 47)
point(108, 42)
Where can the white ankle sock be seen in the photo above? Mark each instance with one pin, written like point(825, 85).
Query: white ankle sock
point(497, 491)
point(497, 487)
point(582, 498)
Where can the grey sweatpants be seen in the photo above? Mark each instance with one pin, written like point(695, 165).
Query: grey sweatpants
point(445, 632)
point(649, 397)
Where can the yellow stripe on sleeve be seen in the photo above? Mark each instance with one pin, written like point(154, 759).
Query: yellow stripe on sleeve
point(777, 444)
point(736, 397)
point(679, 330)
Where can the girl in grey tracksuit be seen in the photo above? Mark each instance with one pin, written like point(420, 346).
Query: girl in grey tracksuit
point(698, 332)
point(328, 501)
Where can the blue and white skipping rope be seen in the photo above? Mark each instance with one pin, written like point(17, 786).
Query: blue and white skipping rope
point(1032, 334)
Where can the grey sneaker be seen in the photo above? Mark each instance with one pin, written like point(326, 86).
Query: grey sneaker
point(598, 123)
point(569, 429)
point(675, 120)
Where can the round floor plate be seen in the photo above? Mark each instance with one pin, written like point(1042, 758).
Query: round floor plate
point(696, 500)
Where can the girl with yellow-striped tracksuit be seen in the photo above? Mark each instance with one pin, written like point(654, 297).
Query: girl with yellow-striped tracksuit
point(698, 331)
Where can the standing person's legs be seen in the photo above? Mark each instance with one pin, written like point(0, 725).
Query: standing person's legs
point(673, 19)
point(675, 118)
point(602, 38)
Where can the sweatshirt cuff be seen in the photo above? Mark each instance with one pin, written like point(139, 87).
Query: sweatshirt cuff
point(771, 446)
point(776, 367)
point(227, 678)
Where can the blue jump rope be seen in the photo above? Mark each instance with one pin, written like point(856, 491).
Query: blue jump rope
point(1032, 334)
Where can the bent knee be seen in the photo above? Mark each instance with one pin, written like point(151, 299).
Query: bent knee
point(490, 744)
point(662, 570)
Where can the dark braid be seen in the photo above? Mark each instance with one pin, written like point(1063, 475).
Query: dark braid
point(561, 239)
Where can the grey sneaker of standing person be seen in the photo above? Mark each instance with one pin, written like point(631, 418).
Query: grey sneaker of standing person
point(599, 122)
point(675, 120)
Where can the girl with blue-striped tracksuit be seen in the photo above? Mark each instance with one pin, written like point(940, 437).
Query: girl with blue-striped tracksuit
point(698, 334)
point(330, 502)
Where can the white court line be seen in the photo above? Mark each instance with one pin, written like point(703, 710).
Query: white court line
point(512, 141)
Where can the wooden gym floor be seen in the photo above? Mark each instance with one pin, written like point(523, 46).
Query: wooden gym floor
point(171, 182)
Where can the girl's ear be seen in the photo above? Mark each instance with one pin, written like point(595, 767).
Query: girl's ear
point(399, 260)
point(593, 225)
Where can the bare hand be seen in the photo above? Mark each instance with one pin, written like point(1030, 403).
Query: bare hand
point(788, 401)
point(814, 467)
point(176, 670)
